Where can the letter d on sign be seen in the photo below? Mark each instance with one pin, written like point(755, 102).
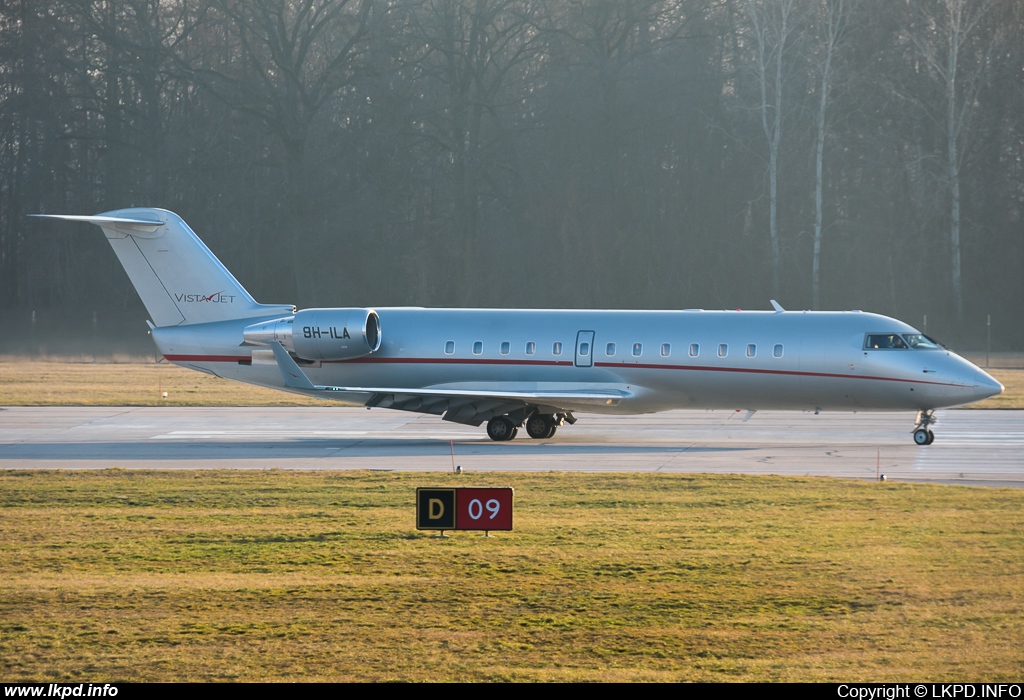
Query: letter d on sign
point(435, 509)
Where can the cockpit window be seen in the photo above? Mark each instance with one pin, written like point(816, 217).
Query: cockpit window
point(885, 341)
point(920, 342)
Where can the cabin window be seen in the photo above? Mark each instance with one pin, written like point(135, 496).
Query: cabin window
point(777, 350)
point(478, 347)
point(610, 350)
point(885, 341)
point(694, 349)
point(723, 350)
point(921, 342)
point(556, 349)
point(638, 349)
point(531, 348)
point(584, 349)
point(449, 347)
point(666, 349)
point(751, 350)
point(505, 347)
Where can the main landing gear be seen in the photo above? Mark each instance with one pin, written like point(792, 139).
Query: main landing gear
point(539, 426)
point(922, 435)
point(500, 429)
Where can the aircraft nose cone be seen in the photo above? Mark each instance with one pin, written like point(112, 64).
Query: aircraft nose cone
point(984, 385)
point(993, 385)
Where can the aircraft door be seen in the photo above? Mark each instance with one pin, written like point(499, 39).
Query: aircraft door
point(585, 349)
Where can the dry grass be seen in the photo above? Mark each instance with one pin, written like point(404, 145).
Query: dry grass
point(320, 576)
point(996, 360)
point(29, 383)
point(133, 382)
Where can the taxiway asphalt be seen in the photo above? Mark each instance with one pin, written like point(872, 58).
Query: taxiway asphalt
point(974, 447)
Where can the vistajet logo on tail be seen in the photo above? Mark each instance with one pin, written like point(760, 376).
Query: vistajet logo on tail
point(215, 298)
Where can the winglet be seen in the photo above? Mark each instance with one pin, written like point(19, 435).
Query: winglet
point(293, 376)
point(777, 306)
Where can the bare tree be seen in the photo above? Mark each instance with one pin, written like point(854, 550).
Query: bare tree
point(769, 25)
point(134, 92)
point(955, 47)
point(282, 62)
point(832, 17)
point(616, 52)
point(477, 59)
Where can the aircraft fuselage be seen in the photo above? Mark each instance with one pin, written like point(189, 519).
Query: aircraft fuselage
point(753, 360)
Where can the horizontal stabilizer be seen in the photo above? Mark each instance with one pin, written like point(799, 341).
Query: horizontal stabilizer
point(100, 219)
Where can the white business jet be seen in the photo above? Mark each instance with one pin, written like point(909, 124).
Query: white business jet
point(515, 368)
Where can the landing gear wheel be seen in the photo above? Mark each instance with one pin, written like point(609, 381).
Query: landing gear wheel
point(922, 434)
point(501, 429)
point(539, 426)
point(551, 431)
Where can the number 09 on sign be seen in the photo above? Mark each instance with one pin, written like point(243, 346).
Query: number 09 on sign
point(483, 509)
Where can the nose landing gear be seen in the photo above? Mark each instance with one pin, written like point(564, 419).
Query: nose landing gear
point(922, 435)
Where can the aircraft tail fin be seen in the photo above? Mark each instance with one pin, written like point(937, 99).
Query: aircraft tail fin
point(180, 281)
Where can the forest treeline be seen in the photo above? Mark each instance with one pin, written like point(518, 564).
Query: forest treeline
point(528, 153)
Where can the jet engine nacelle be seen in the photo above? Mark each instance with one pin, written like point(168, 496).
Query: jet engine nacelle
point(322, 334)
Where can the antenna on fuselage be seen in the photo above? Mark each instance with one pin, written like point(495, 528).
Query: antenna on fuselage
point(777, 306)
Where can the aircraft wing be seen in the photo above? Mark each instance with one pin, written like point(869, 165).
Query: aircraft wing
point(469, 406)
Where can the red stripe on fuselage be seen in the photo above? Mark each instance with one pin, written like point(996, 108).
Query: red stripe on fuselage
point(566, 363)
point(449, 361)
point(783, 372)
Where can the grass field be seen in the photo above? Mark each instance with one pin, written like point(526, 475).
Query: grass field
point(252, 576)
point(128, 383)
point(132, 382)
